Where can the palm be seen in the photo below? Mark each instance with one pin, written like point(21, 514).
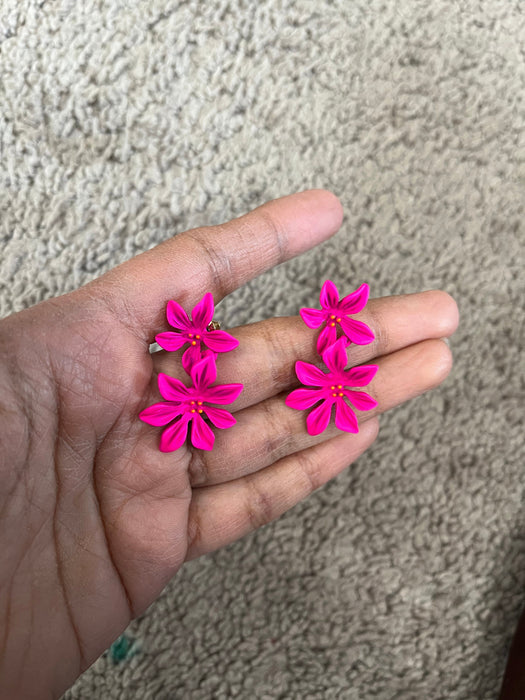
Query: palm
point(109, 518)
point(142, 495)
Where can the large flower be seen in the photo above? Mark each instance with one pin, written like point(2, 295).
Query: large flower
point(332, 390)
point(335, 313)
point(187, 405)
point(194, 331)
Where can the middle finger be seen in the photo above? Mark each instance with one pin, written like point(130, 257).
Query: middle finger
point(265, 359)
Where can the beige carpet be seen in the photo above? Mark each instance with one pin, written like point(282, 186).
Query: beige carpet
point(123, 122)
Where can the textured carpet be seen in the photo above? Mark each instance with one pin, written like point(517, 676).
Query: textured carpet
point(124, 122)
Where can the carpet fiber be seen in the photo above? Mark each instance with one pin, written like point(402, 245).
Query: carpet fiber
point(126, 121)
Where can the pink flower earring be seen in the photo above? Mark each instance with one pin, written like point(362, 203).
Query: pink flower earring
point(189, 405)
point(335, 312)
point(332, 387)
point(195, 332)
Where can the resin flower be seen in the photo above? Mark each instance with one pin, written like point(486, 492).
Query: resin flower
point(332, 389)
point(186, 405)
point(194, 331)
point(335, 313)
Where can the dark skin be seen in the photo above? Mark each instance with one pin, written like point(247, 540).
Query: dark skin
point(94, 519)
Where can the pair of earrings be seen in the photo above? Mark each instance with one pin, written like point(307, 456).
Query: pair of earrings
point(185, 406)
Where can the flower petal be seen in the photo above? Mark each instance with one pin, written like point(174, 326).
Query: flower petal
point(220, 341)
point(345, 418)
point(360, 376)
point(318, 419)
point(303, 398)
point(194, 354)
point(170, 340)
point(202, 312)
point(174, 435)
point(222, 393)
point(176, 316)
point(160, 413)
point(204, 372)
point(220, 417)
point(172, 389)
point(202, 435)
point(356, 301)
point(357, 331)
point(312, 317)
point(191, 356)
point(360, 399)
point(335, 357)
point(309, 374)
point(329, 296)
point(327, 337)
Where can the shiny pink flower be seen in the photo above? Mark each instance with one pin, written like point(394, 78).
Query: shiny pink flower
point(332, 390)
point(194, 331)
point(335, 312)
point(186, 405)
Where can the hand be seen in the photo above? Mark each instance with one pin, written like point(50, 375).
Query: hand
point(94, 519)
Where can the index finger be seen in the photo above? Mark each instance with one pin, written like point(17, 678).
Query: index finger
point(218, 258)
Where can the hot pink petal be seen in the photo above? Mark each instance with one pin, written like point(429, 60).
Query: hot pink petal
point(172, 389)
point(160, 413)
point(303, 398)
point(361, 400)
point(188, 360)
point(220, 341)
point(318, 419)
point(329, 296)
point(312, 317)
point(202, 313)
point(174, 435)
point(170, 341)
point(361, 376)
point(220, 417)
point(335, 357)
point(191, 356)
point(202, 435)
point(356, 301)
point(345, 418)
point(327, 337)
point(176, 316)
point(222, 393)
point(204, 372)
point(357, 331)
point(309, 374)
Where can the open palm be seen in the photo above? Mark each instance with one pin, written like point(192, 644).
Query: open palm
point(94, 519)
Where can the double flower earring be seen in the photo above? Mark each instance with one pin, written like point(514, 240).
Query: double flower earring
point(332, 388)
point(186, 406)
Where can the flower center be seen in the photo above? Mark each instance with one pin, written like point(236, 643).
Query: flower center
point(333, 320)
point(197, 337)
point(196, 406)
point(334, 391)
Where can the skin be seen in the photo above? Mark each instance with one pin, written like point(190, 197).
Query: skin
point(94, 519)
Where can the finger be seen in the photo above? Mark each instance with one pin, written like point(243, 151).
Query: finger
point(217, 259)
point(265, 359)
point(221, 514)
point(270, 430)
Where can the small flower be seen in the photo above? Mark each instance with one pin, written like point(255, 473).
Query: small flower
point(195, 331)
point(332, 390)
point(187, 405)
point(335, 313)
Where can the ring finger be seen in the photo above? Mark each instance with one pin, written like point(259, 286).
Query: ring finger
point(270, 430)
